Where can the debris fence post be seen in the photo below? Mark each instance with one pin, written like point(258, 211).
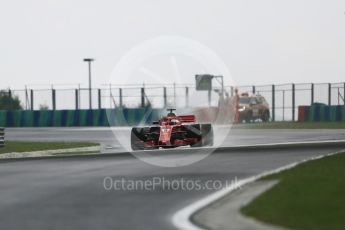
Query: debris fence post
point(76, 99)
point(165, 96)
point(54, 99)
point(329, 93)
point(120, 95)
point(31, 99)
point(142, 97)
point(293, 102)
point(273, 103)
point(187, 96)
point(99, 99)
point(312, 93)
point(209, 97)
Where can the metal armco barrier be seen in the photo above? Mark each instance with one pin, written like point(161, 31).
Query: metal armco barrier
point(2, 137)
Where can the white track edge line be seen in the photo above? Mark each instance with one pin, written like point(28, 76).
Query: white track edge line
point(282, 144)
point(182, 218)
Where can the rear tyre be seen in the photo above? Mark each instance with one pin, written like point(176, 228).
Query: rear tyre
point(266, 116)
point(249, 117)
point(207, 135)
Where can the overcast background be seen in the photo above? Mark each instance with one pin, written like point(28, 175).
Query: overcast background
point(261, 42)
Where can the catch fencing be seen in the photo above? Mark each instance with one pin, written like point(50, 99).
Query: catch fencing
point(284, 99)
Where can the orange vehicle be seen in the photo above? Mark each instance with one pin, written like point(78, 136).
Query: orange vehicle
point(252, 108)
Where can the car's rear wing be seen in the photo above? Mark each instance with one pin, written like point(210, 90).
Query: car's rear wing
point(187, 118)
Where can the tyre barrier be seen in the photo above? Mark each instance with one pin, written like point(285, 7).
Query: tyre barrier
point(78, 118)
point(2, 137)
point(321, 113)
point(94, 117)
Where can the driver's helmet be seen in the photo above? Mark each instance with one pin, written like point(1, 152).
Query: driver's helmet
point(173, 122)
point(171, 115)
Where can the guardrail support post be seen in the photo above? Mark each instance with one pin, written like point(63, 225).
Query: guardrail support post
point(187, 96)
point(253, 89)
point(142, 97)
point(329, 93)
point(120, 95)
point(76, 99)
point(312, 93)
point(293, 102)
point(31, 99)
point(54, 99)
point(273, 103)
point(165, 96)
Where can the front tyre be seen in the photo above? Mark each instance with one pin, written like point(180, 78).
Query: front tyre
point(205, 137)
point(137, 139)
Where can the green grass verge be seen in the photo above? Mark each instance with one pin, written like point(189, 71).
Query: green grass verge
point(24, 146)
point(309, 196)
point(292, 125)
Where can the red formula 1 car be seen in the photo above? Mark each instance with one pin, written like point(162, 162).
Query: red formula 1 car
point(172, 131)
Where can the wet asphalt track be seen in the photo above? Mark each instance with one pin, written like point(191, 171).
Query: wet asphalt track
point(69, 193)
point(235, 137)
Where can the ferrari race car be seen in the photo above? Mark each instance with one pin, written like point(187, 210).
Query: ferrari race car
point(172, 131)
